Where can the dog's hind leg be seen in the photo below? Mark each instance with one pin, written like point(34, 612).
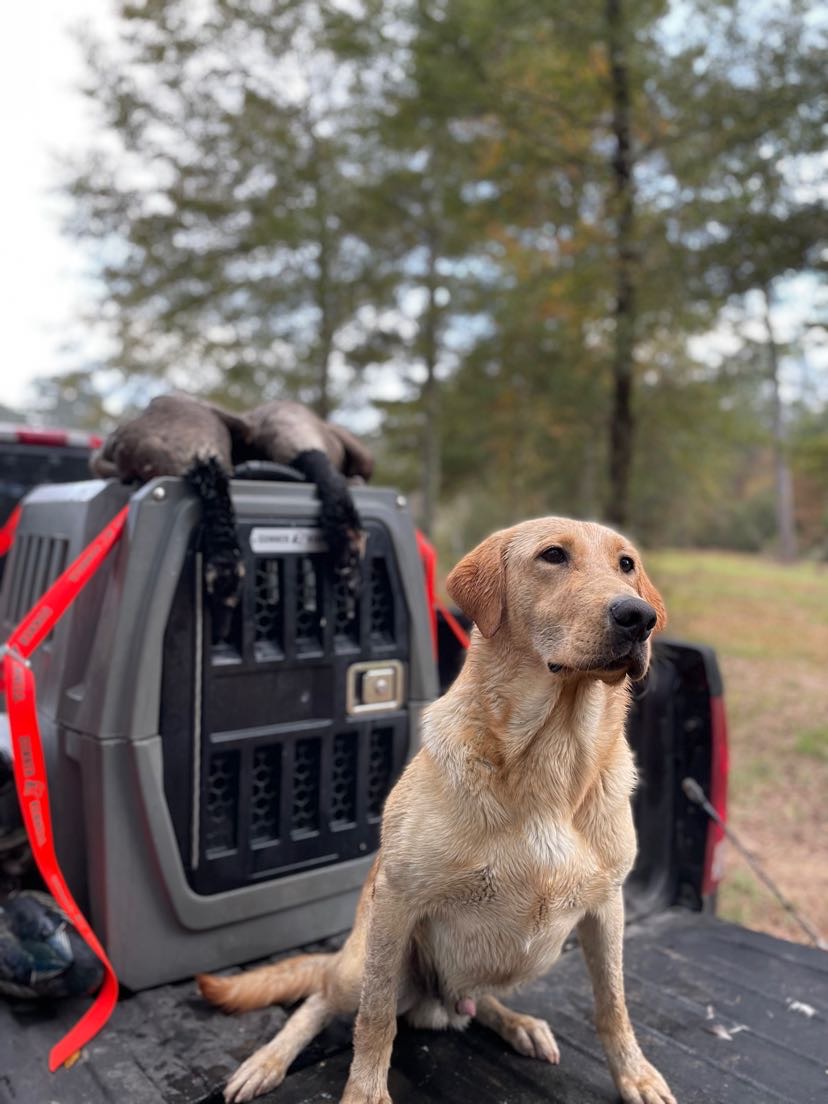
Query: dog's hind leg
point(525, 1034)
point(266, 1068)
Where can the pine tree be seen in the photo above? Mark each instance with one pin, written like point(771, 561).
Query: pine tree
point(753, 217)
point(509, 215)
point(220, 201)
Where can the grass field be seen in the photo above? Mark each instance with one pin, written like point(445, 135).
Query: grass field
point(769, 626)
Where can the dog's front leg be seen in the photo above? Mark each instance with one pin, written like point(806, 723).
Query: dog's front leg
point(389, 929)
point(601, 934)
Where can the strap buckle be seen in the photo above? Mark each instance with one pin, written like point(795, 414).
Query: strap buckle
point(8, 649)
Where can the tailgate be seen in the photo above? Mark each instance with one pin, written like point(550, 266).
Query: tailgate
point(692, 981)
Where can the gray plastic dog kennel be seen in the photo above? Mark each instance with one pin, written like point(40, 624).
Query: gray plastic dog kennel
point(215, 802)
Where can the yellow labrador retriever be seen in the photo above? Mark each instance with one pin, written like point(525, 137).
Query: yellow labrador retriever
point(509, 828)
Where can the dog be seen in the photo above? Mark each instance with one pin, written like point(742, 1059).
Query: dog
point(509, 828)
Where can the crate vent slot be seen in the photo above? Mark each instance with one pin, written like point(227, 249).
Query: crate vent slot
point(346, 615)
point(305, 811)
point(344, 778)
point(265, 793)
point(222, 801)
point(382, 604)
point(38, 562)
point(267, 613)
point(308, 605)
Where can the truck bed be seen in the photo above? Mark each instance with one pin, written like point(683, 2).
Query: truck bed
point(726, 1014)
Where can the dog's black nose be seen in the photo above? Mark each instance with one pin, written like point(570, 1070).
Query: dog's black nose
point(632, 618)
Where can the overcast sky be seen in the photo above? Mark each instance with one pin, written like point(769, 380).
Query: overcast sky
point(42, 284)
point(41, 275)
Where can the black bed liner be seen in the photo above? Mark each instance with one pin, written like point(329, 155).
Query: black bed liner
point(691, 981)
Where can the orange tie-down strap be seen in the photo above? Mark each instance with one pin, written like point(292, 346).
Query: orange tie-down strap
point(30, 767)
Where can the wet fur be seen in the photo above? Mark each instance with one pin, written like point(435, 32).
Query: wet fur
point(167, 438)
point(524, 780)
point(338, 517)
point(223, 560)
point(328, 456)
point(180, 436)
point(281, 430)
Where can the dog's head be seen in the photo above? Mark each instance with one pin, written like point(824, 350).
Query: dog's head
point(573, 593)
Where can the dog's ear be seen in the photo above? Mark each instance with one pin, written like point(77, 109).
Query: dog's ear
point(478, 584)
point(649, 593)
point(359, 461)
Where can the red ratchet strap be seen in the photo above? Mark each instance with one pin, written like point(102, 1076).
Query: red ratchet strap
point(452, 622)
point(8, 530)
point(30, 767)
point(428, 555)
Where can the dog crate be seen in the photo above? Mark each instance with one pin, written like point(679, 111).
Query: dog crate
point(217, 800)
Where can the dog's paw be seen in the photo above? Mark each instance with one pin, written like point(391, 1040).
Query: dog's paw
point(257, 1075)
point(359, 1094)
point(372, 1092)
point(643, 1085)
point(532, 1037)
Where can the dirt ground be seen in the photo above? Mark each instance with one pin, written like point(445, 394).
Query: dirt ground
point(769, 625)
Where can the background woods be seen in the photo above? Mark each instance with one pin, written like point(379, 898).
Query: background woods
point(552, 259)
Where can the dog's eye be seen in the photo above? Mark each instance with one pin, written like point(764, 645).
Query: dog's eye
point(554, 555)
point(627, 564)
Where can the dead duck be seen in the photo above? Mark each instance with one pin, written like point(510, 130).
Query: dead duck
point(328, 456)
point(181, 436)
point(41, 953)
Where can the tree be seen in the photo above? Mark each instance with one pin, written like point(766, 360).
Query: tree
point(618, 138)
point(420, 221)
point(221, 199)
point(508, 216)
point(752, 219)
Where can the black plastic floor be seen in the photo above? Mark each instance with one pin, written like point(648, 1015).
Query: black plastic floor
point(691, 982)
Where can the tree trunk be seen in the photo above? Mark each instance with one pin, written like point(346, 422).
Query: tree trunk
point(322, 406)
point(322, 403)
point(621, 427)
point(431, 398)
point(785, 522)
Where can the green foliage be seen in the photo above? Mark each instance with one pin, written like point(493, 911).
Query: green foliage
point(224, 199)
point(813, 742)
point(419, 200)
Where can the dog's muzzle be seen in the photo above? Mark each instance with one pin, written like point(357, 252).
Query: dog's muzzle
point(631, 620)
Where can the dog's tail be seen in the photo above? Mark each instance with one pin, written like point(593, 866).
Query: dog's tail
point(282, 983)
